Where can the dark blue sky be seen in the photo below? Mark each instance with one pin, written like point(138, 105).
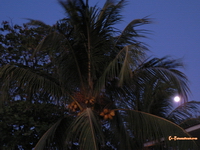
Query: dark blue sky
point(175, 31)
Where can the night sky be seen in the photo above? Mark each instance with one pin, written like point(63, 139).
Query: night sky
point(175, 30)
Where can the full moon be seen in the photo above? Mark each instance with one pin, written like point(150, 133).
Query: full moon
point(177, 99)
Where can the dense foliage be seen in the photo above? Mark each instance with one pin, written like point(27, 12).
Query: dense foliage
point(23, 123)
point(25, 117)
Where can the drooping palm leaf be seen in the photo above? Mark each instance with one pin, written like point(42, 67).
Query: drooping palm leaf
point(146, 127)
point(117, 134)
point(87, 129)
point(130, 34)
point(153, 97)
point(190, 122)
point(128, 53)
point(55, 135)
point(121, 66)
point(31, 80)
point(165, 70)
point(47, 136)
point(184, 112)
point(109, 14)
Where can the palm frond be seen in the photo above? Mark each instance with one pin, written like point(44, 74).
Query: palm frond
point(121, 66)
point(164, 69)
point(184, 112)
point(146, 127)
point(110, 13)
point(87, 129)
point(50, 43)
point(45, 139)
point(55, 136)
point(190, 122)
point(130, 33)
point(153, 97)
point(116, 131)
point(31, 80)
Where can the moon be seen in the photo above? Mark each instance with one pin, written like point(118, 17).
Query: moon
point(177, 99)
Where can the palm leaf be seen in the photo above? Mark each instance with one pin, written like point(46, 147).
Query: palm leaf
point(45, 139)
point(109, 14)
point(87, 129)
point(184, 112)
point(164, 69)
point(32, 80)
point(190, 122)
point(121, 66)
point(129, 35)
point(116, 131)
point(55, 136)
point(147, 127)
point(153, 97)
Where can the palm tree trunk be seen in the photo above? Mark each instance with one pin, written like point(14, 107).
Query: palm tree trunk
point(89, 59)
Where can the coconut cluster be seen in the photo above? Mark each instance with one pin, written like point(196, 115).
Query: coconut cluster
point(73, 106)
point(107, 114)
point(89, 100)
point(81, 98)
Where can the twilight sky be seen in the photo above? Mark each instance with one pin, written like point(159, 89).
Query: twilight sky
point(175, 30)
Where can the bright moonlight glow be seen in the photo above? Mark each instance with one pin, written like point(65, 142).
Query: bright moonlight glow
point(177, 99)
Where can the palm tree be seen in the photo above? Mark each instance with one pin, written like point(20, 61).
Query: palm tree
point(102, 77)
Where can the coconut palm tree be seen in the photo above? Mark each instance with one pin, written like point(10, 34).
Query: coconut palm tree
point(103, 78)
